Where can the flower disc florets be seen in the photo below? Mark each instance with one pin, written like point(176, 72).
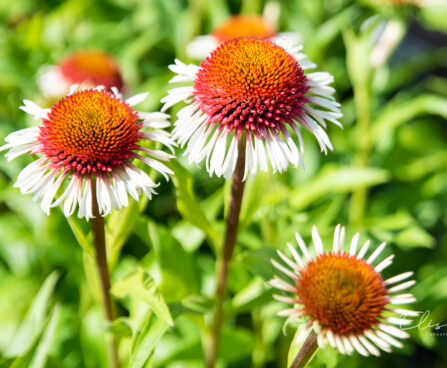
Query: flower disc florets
point(90, 131)
point(343, 293)
point(343, 296)
point(252, 84)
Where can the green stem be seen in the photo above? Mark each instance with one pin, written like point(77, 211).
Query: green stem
point(226, 252)
point(362, 98)
point(103, 270)
point(306, 352)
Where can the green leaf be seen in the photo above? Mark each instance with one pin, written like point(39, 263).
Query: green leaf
point(40, 357)
point(188, 235)
point(296, 344)
point(253, 197)
point(120, 225)
point(187, 203)
point(83, 240)
point(242, 338)
point(255, 294)
point(332, 179)
point(397, 113)
point(415, 236)
point(258, 262)
point(34, 320)
point(142, 286)
point(178, 270)
point(120, 327)
point(199, 303)
point(145, 341)
point(396, 221)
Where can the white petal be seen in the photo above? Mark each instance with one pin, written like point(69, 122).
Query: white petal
point(31, 108)
point(363, 250)
point(394, 331)
point(317, 240)
point(302, 246)
point(376, 253)
point(135, 100)
point(354, 243)
point(398, 278)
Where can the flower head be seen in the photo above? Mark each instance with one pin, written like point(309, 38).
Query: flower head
point(343, 295)
point(86, 68)
point(244, 26)
point(241, 25)
point(254, 87)
point(91, 138)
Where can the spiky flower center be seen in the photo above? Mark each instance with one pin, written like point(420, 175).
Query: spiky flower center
point(342, 293)
point(90, 131)
point(244, 26)
point(250, 83)
point(92, 67)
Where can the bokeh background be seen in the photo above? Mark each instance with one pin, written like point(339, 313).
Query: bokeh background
point(386, 178)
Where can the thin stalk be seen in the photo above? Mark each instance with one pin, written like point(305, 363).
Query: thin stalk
point(306, 352)
point(98, 229)
point(359, 198)
point(226, 252)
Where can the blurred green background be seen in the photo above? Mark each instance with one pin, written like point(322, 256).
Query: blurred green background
point(386, 178)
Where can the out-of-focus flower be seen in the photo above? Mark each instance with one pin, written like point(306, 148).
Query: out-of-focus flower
point(86, 68)
point(343, 297)
point(241, 25)
point(90, 139)
point(255, 87)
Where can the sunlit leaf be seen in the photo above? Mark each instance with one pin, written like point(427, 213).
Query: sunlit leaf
point(34, 320)
point(141, 286)
point(336, 180)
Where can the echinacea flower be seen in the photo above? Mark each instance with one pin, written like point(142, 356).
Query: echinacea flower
point(243, 25)
point(255, 87)
point(87, 68)
point(90, 138)
point(343, 296)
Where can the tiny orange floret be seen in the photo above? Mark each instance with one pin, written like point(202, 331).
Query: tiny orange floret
point(342, 293)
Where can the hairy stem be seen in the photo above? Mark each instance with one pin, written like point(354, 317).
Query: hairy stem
point(98, 229)
point(226, 252)
point(306, 352)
